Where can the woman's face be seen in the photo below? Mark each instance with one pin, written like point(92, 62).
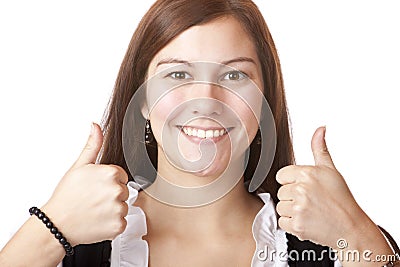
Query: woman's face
point(204, 97)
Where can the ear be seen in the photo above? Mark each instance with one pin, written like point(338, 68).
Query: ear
point(144, 110)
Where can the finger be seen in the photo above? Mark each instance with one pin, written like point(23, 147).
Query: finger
point(92, 148)
point(118, 173)
point(124, 194)
point(320, 150)
point(286, 224)
point(124, 209)
point(288, 174)
point(286, 192)
point(284, 208)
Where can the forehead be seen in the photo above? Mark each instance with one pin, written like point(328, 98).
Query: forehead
point(217, 41)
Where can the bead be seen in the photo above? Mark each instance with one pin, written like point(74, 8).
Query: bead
point(67, 246)
point(63, 241)
point(58, 235)
point(32, 210)
point(36, 212)
point(45, 219)
point(40, 215)
point(54, 230)
point(49, 225)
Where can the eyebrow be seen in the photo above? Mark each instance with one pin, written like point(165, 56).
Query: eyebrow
point(239, 59)
point(227, 62)
point(174, 60)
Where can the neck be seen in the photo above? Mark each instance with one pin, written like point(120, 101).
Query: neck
point(179, 202)
point(229, 214)
point(184, 189)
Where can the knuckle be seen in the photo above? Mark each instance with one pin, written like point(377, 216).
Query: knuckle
point(302, 198)
point(118, 192)
point(119, 172)
point(110, 171)
point(307, 173)
point(118, 227)
point(116, 168)
point(123, 209)
point(120, 209)
point(123, 193)
point(300, 189)
point(121, 226)
point(306, 199)
point(126, 193)
point(298, 209)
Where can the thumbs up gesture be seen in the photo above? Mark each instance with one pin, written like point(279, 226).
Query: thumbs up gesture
point(88, 205)
point(315, 202)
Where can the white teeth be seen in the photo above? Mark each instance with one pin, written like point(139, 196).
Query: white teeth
point(203, 133)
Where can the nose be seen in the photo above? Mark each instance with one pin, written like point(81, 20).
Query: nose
point(206, 100)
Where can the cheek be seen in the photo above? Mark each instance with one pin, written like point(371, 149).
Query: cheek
point(248, 119)
point(248, 109)
point(162, 111)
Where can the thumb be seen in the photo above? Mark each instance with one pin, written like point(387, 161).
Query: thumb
point(92, 147)
point(320, 150)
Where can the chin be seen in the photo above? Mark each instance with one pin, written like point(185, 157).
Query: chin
point(214, 171)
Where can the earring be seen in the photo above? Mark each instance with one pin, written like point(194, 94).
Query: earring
point(148, 137)
point(258, 137)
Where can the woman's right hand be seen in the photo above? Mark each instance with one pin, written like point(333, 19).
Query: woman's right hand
point(88, 205)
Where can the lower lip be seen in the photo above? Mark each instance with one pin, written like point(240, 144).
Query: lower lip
point(198, 140)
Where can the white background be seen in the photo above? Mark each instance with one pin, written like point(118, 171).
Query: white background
point(59, 61)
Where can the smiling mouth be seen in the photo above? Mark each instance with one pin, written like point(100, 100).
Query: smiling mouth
point(210, 133)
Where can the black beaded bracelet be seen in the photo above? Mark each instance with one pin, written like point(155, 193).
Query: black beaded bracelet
point(58, 235)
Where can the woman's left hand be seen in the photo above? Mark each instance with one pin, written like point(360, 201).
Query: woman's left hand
point(315, 201)
point(317, 205)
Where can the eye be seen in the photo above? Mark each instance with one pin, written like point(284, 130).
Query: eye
point(234, 76)
point(179, 75)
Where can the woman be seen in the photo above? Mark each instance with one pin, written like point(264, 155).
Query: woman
point(228, 38)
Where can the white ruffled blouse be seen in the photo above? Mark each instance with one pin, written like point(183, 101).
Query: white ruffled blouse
point(129, 249)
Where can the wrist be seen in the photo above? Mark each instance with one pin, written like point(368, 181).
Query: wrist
point(52, 228)
point(60, 219)
point(364, 241)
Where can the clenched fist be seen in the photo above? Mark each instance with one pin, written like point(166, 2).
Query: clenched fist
point(88, 205)
point(315, 202)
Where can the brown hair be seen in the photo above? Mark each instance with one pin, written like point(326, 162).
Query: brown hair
point(165, 20)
